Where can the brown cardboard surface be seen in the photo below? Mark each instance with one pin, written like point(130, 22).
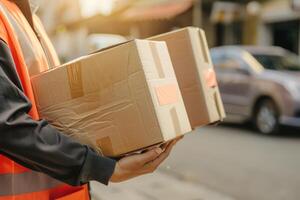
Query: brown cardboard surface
point(194, 71)
point(109, 99)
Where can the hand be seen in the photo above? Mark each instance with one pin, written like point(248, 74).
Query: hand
point(140, 164)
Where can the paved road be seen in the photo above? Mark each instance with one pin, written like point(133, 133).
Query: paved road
point(241, 163)
point(157, 186)
point(218, 163)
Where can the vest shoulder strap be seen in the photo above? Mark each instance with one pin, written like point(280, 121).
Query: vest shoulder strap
point(3, 33)
point(10, 38)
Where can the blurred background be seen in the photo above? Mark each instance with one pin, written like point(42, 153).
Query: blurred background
point(255, 48)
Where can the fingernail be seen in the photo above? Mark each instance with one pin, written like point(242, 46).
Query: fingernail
point(158, 150)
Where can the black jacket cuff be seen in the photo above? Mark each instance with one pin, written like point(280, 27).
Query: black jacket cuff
point(97, 168)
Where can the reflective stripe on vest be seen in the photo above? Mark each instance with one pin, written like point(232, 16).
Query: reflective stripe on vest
point(17, 182)
point(34, 181)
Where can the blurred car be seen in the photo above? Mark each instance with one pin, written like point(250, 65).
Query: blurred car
point(259, 84)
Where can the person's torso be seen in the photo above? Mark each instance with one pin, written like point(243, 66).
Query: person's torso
point(38, 52)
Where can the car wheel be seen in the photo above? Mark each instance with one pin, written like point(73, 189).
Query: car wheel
point(266, 117)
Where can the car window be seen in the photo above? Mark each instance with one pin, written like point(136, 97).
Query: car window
point(217, 58)
point(287, 61)
point(229, 61)
point(238, 60)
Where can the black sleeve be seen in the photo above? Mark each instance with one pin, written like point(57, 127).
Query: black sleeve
point(36, 144)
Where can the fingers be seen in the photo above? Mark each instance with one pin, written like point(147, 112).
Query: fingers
point(132, 166)
point(180, 138)
point(152, 166)
point(139, 164)
point(163, 146)
point(165, 154)
point(136, 165)
point(149, 156)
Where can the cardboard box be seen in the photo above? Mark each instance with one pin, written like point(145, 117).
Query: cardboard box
point(118, 100)
point(195, 74)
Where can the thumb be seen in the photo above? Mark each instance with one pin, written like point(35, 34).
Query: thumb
point(149, 155)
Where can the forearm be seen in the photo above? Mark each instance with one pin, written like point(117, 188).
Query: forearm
point(40, 147)
point(36, 144)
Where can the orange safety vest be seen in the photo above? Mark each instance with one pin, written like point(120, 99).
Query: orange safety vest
point(16, 181)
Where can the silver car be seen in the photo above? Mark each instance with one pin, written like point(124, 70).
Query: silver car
point(259, 84)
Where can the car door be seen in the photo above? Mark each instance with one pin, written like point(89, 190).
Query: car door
point(234, 77)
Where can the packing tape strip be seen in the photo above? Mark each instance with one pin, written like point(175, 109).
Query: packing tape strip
point(157, 60)
point(176, 122)
point(210, 78)
point(218, 105)
point(105, 145)
point(75, 80)
point(167, 94)
point(204, 46)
